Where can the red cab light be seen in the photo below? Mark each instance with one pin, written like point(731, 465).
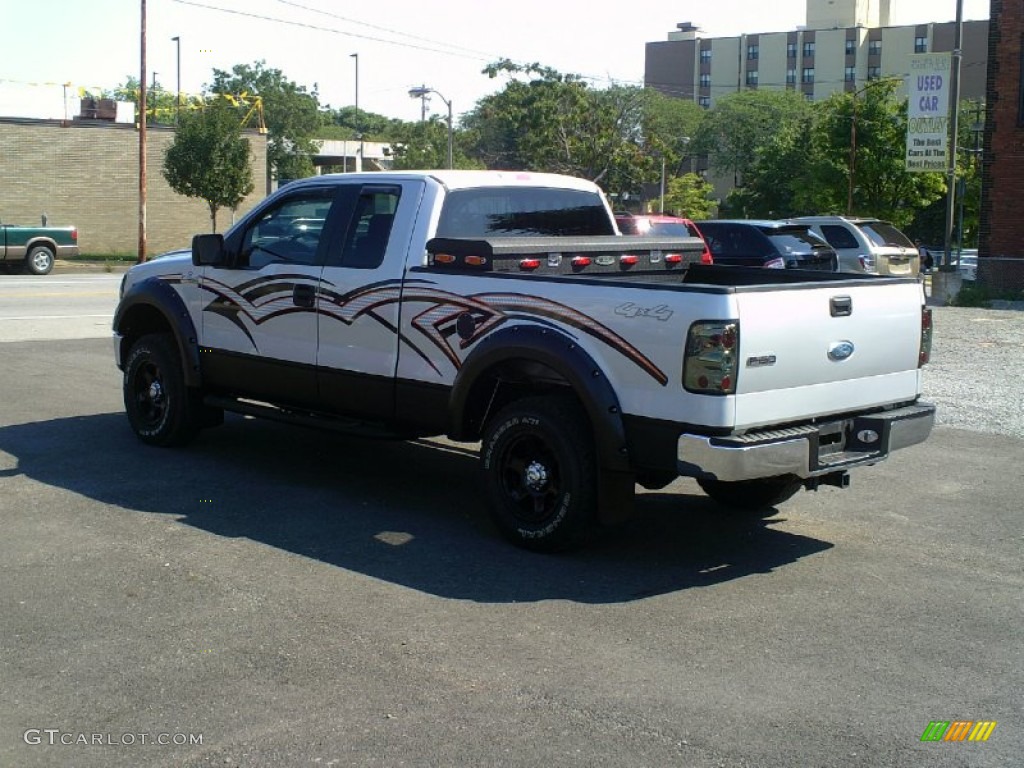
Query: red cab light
point(629, 260)
point(529, 264)
point(674, 258)
point(579, 262)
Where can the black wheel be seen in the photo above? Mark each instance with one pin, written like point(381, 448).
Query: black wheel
point(39, 260)
point(541, 472)
point(756, 496)
point(161, 409)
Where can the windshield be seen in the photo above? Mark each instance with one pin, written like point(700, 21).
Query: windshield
point(523, 211)
point(884, 233)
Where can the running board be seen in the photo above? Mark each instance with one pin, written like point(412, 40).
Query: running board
point(312, 419)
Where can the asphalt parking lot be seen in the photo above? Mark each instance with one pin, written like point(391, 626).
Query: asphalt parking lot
point(275, 596)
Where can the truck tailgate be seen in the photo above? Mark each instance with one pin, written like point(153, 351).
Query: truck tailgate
point(810, 349)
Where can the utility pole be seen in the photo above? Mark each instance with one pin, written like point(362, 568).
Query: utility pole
point(954, 121)
point(141, 257)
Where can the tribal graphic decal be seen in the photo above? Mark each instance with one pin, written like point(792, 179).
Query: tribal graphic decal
point(451, 322)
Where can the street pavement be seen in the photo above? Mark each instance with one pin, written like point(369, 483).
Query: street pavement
point(275, 596)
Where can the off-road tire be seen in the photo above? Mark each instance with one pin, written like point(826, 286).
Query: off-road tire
point(540, 473)
point(161, 409)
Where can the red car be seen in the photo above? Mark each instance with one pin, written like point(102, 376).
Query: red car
point(657, 224)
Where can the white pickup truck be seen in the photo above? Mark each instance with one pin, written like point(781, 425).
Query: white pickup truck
point(505, 308)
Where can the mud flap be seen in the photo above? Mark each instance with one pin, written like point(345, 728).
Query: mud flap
point(616, 494)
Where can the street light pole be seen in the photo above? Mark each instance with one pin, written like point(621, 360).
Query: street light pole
point(420, 92)
point(177, 97)
point(359, 122)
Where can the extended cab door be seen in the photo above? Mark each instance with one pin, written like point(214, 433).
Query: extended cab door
point(259, 319)
point(359, 302)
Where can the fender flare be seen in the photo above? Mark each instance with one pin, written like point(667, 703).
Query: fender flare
point(159, 294)
point(562, 354)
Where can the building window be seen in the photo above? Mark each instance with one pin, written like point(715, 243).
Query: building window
point(875, 48)
point(874, 73)
point(850, 75)
point(920, 45)
point(705, 55)
point(790, 76)
point(752, 52)
point(751, 77)
point(808, 96)
point(851, 47)
point(705, 80)
point(704, 101)
point(808, 49)
point(808, 75)
point(790, 50)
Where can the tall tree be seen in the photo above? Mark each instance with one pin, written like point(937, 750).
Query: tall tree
point(209, 158)
point(292, 114)
point(876, 163)
point(741, 123)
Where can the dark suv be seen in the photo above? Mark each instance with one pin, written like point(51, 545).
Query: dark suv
point(763, 243)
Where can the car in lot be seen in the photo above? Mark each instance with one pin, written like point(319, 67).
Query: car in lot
point(867, 245)
point(767, 243)
point(658, 225)
point(969, 264)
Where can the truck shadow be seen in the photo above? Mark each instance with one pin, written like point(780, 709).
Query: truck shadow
point(411, 513)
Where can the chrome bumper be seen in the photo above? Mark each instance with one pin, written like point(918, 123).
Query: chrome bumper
point(809, 451)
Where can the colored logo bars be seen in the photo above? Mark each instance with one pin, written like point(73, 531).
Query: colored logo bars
point(958, 730)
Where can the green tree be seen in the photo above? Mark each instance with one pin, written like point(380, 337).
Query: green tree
point(209, 158)
point(291, 113)
point(162, 106)
point(742, 123)
point(881, 184)
point(689, 195)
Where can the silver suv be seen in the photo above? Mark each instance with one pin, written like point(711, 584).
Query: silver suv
point(867, 245)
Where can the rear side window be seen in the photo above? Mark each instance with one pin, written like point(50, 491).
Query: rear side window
point(883, 233)
point(672, 229)
point(735, 240)
point(795, 240)
point(838, 237)
point(499, 211)
point(370, 229)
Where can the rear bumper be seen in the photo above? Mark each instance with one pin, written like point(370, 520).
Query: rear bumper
point(806, 452)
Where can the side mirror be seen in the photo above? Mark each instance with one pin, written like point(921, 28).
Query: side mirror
point(208, 250)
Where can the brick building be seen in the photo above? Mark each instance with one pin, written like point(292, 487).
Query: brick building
point(1001, 244)
point(85, 173)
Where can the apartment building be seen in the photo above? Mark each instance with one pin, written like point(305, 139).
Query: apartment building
point(846, 44)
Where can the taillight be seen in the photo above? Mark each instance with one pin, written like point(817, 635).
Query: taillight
point(925, 353)
point(778, 263)
point(74, 235)
point(712, 357)
point(705, 258)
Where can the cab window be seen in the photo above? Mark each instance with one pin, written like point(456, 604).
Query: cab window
point(288, 233)
point(370, 228)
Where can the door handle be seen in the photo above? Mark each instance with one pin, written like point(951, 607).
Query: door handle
point(304, 296)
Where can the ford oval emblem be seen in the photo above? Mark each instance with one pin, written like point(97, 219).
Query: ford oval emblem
point(867, 436)
point(840, 350)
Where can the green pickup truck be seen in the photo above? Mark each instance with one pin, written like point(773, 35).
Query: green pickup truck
point(36, 247)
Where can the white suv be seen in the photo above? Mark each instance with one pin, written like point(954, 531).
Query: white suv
point(867, 245)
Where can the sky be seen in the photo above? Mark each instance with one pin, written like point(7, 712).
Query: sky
point(401, 44)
